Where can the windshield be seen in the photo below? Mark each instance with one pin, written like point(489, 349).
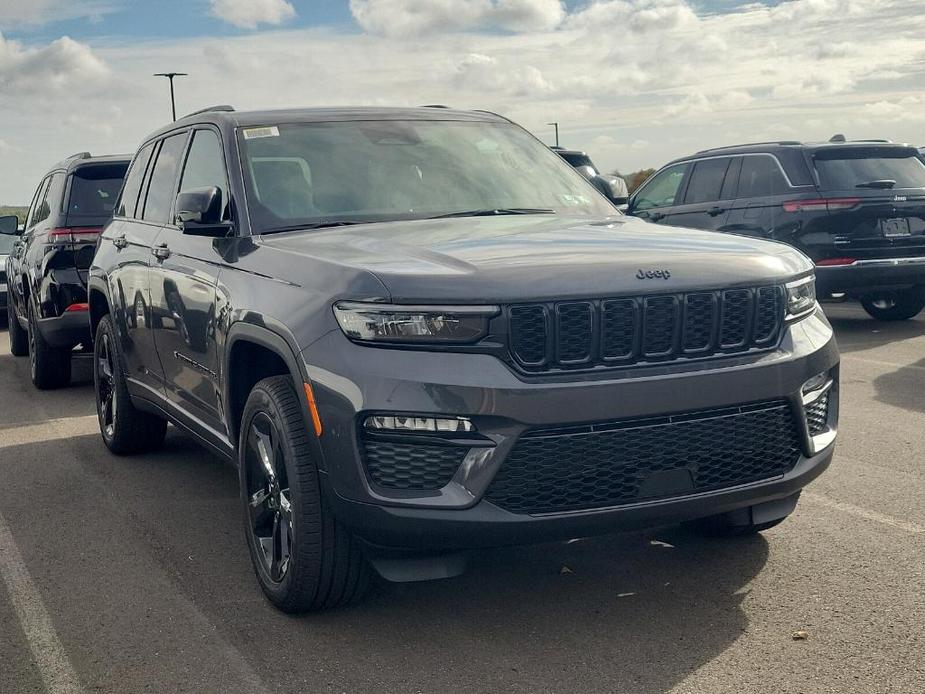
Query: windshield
point(870, 167)
point(365, 171)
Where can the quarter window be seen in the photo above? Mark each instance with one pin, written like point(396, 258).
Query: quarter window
point(159, 198)
point(133, 180)
point(50, 196)
point(706, 180)
point(662, 190)
point(761, 176)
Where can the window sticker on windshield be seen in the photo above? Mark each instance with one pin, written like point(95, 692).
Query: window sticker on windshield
point(254, 133)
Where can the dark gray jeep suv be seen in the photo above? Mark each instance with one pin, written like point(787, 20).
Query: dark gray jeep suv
point(419, 331)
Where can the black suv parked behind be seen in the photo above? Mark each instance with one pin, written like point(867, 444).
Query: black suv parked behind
point(47, 266)
point(856, 208)
point(410, 348)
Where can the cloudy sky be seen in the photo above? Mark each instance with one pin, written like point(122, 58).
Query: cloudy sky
point(634, 82)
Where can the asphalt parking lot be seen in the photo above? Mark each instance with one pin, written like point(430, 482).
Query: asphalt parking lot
point(131, 574)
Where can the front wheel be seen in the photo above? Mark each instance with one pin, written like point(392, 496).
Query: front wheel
point(304, 559)
point(894, 306)
point(125, 428)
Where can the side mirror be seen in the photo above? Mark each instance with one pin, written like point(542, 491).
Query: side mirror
point(9, 226)
point(199, 213)
point(613, 188)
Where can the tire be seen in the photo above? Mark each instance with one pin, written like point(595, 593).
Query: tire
point(50, 367)
point(125, 429)
point(19, 340)
point(325, 567)
point(719, 526)
point(894, 306)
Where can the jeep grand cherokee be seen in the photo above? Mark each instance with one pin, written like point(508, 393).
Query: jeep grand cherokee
point(419, 331)
point(856, 208)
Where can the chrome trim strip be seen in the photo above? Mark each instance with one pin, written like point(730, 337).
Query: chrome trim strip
point(886, 262)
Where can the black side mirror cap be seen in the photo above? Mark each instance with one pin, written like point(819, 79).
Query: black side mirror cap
point(9, 226)
point(612, 187)
point(199, 213)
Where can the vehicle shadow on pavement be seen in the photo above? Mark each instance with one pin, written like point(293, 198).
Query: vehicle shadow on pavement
point(904, 388)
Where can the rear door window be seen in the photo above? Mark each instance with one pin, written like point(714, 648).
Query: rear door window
point(94, 189)
point(37, 200)
point(869, 167)
point(159, 198)
point(761, 176)
point(662, 189)
point(706, 182)
point(133, 180)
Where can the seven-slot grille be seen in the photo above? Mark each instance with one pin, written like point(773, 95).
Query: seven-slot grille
point(614, 463)
point(576, 334)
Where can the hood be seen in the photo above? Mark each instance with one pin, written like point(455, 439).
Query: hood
point(509, 258)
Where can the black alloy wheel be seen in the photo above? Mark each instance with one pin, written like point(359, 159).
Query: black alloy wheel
point(106, 391)
point(268, 497)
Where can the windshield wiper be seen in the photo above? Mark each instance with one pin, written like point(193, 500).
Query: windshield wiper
point(882, 183)
point(312, 225)
point(496, 212)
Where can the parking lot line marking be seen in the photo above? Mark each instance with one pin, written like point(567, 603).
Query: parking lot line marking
point(867, 514)
point(880, 362)
point(51, 430)
point(55, 668)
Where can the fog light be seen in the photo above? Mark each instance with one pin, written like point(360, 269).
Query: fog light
point(406, 423)
point(816, 382)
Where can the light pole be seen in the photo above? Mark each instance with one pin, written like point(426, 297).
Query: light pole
point(555, 124)
point(170, 76)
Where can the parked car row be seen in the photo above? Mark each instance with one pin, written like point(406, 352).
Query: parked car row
point(857, 209)
point(417, 332)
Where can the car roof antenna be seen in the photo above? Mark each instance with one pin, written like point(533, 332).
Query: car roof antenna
point(837, 138)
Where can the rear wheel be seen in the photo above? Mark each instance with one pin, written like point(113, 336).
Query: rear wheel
point(50, 367)
point(125, 429)
point(19, 340)
point(304, 559)
point(893, 306)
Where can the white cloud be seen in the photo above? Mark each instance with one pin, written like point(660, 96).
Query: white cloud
point(248, 14)
point(413, 17)
point(29, 12)
point(62, 65)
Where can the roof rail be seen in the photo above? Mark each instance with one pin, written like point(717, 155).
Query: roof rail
point(79, 155)
point(752, 144)
point(889, 142)
point(434, 106)
point(219, 107)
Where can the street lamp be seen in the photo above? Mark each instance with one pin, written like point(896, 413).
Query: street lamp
point(556, 125)
point(170, 76)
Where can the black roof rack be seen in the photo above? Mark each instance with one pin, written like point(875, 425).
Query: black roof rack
point(207, 109)
point(752, 144)
point(888, 142)
point(79, 155)
point(434, 106)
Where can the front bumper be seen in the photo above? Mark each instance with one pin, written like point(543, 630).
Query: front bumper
point(869, 275)
point(350, 381)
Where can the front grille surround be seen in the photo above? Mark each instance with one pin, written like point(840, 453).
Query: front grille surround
point(623, 331)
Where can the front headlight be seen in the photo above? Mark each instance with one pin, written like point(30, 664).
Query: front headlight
point(414, 324)
point(801, 297)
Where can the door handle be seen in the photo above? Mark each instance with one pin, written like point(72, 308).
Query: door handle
point(120, 242)
point(713, 211)
point(161, 252)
